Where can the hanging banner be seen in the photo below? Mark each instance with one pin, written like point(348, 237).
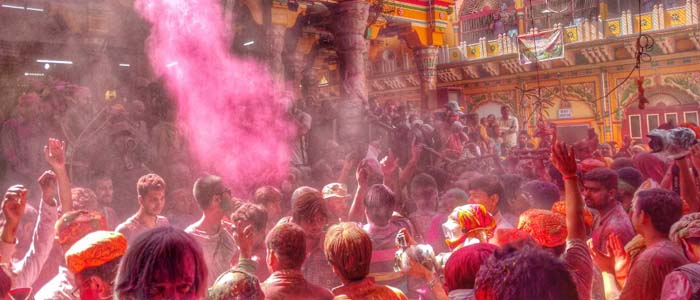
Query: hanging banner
point(541, 46)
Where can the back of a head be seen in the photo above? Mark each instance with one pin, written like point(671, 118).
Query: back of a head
point(525, 273)
point(630, 176)
point(96, 254)
point(422, 182)
point(349, 249)
point(288, 241)
point(301, 191)
point(165, 251)
point(267, 194)
point(663, 207)
point(379, 204)
point(235, 285)
point(74, 225)
point(308, 205)
point(622, 162)
point(463, 265)
point(544, 194)
point(252, 213)
point(606, 177)
point(490, 184)
point(687, 228)
point(205, 188)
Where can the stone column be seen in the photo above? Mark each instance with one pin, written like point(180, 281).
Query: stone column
point(349, 29)
point(426, 61)
point(275, 47)
point(295, 64)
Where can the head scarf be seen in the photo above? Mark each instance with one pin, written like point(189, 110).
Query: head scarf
point(475, 222)
point(650, 165)
point(547, 228)
point(74, 225)
point(95, 249)
point(505, 236)
point(234, 285)
point(560, 208)
point(687, 227)
point(591, 164)
point(463, 265)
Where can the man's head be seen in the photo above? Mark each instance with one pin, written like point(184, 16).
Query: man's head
point(523, 138)
point(629, 180)
point(655, 210)
point(547, 228)
point(487, 191)
point(286, 247)
point(599, 189)
point(336, 197)
point(379, 204)
point(622, 162)
point(505, 111)
point(104, 190)
point(271, 198)
point(28, 106)
point(151, 192)
point(525, 273)
point(453, 198)
point(605, 150)
point(535, 194)
point(212, 196)
point(235, 284)
point(252, 214)
point(162, 263)
point(348, 249)
point(424, 192)
point(85, 199)
point(310, 212)
point(94, 261)
point(686, 233)
point(463, 265)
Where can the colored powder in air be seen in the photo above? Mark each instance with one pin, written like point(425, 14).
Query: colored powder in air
point(236, 119)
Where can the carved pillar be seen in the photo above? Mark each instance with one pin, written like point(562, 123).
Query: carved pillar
point(349, 29)
point(275, 46)
point(426, 60)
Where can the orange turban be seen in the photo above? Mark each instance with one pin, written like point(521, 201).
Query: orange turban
point(547, 228)
point(509, 235)
point(474, 221)
point(74, 225)
point(95, 249)
point(560, 208)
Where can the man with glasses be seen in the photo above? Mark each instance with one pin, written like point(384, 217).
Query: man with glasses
point(217, 244)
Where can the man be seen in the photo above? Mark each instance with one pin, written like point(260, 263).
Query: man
point(599, 191)
point(286, 251)
point(424, 192)
point(271, 198)
point(488, 191)
point(336, 197)
point(94, 261)
point(524, 141)
point(382, 229)
point(151, 197)
point(105, 194)
point(19, 140)
point(508, 126)
point(70, 228)
point(684, 282)
point(310, 212)
point(653, 213)
point(217, 244)
point(255, 217)
point(349, 251)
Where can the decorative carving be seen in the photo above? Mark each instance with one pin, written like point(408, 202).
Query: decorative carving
point(412, 79)
point(275, 46)
point(471, 71)
point(492, 68)
point(450, 75)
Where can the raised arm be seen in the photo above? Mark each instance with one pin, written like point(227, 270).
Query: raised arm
point(55, 155)
point(357, 208)
point(564, 160)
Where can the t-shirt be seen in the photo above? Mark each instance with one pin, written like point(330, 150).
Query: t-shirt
point(219, 249)
point(132, 227)
point(646, 276)
point(615, 221)
point(578, 261)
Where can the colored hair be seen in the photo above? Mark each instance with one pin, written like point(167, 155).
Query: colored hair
point(148, 183)
point(604, 176)
point(463, 265)
point(255, 214)
point(288, 241)
point(349, 249)
point(662, 206)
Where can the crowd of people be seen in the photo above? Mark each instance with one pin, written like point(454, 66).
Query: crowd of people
point(448, 205)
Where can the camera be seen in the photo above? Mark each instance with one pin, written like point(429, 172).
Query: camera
point(422, 254)
point(674, 143)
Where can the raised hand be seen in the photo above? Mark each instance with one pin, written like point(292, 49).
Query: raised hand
point(605, 262)
point(55, 154)
point(389, 164)
point(47, 182)
point(243, 236)
point(14, 203)
point(622, 258)
point(361, 174)
point(563, 158)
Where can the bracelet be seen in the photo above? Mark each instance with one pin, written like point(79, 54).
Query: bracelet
point(571, 177)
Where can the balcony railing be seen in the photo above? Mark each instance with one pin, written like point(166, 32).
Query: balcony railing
point(585, 30)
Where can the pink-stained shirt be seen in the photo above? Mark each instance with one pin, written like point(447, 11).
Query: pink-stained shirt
point(25, 271)
point(682, 284)
point(132, 227)
point(646, 276)
point(616, 221)
point(578, 261)
point(291, 285)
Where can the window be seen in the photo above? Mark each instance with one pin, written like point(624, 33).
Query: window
point(671, 118)
point(636, 126)
point(652, 122)
point(691, 117)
